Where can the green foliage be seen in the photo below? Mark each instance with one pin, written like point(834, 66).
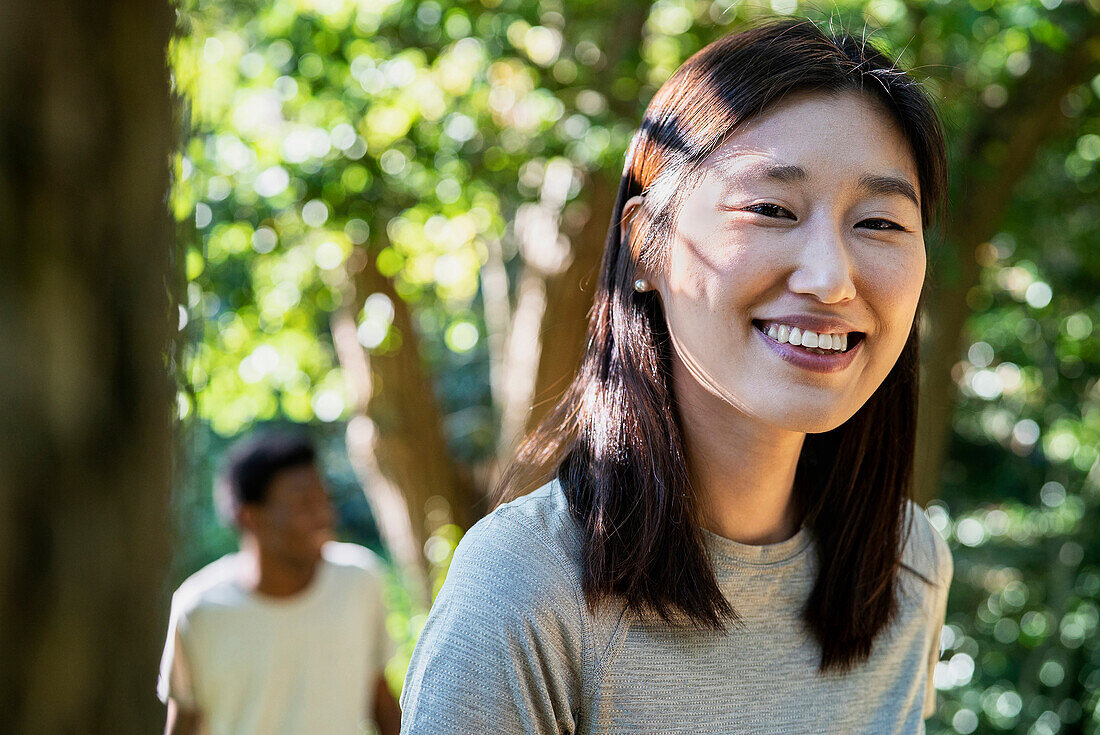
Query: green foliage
point(325, 132)
point(1022, 653)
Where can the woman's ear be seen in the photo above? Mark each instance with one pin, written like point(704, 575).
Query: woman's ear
point(632, 213)
point(631, 210)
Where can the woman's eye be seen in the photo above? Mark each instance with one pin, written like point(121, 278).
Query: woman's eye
point(774, 210)
point(767, 209)
point(884, 224)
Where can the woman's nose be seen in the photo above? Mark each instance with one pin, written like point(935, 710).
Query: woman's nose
point(824, 265)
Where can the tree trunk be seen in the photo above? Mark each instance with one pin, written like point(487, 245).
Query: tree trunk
point(569, 299)
point(547, 254)
point(396, 444)
point(999, 155)
point(569, 295)
point(556, 304)
point(388, 505)
point(86, 399)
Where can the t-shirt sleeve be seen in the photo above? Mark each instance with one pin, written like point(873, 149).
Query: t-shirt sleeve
point(945, 569)
point(502, 650)
point(174, 680)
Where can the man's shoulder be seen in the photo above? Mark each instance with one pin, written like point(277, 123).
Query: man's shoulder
point(344, 554)
point(925, 551)
point(214, 585)
point(352, 561)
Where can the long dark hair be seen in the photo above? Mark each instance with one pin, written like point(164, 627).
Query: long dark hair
point(615, 441)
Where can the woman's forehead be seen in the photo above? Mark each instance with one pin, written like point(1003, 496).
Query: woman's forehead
point(814, 134)
point(751, 167)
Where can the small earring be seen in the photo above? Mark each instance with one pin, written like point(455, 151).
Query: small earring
point(641, 285)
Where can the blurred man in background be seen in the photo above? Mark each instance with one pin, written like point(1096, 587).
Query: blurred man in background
point(288, 634)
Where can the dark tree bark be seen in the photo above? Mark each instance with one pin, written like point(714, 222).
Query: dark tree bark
point(86, 397)
point(569, 295)
point(569, 298)
point(998, 155)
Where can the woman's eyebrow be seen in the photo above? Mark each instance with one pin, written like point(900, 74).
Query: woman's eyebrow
point(785, 173)
point(875, 184)
point(888, 186)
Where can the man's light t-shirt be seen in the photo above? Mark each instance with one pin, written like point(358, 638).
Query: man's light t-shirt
point(251, 663)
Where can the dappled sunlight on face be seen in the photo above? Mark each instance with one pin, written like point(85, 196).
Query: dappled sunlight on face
point(807, 210)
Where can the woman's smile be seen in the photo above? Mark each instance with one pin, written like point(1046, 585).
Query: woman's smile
point(810, 358)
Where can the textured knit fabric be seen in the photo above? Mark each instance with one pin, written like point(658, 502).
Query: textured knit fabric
point(279, 666)
point(510, 647)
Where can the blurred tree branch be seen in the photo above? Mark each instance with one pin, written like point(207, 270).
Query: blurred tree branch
point(396, 439)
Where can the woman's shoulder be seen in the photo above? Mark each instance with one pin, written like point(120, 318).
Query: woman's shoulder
point(526, 545)
point(511, 589)
point(543, 515)
point(508, 643)
point(925, 551)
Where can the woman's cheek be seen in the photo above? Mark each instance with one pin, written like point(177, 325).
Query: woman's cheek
point(892, 295)
point(908, 282)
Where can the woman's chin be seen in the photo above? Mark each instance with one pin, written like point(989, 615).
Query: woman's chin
point(805, 418)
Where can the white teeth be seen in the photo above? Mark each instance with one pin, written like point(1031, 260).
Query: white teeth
point(808, 339)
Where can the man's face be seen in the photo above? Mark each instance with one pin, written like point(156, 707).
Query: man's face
point(296, 519)
point(752, 250)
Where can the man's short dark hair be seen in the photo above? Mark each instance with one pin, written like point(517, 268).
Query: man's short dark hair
point(252, 462)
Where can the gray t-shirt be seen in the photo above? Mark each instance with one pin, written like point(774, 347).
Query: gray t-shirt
point(510, 646)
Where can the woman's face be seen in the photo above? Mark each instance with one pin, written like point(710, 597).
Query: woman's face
point(799, 220)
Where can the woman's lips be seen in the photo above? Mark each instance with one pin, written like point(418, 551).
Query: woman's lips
point(827, 363)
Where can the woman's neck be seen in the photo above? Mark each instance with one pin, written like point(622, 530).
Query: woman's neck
point(743, 469)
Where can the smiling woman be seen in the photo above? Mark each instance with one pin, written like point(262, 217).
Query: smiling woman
point(797, 219)
point(720, 533)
